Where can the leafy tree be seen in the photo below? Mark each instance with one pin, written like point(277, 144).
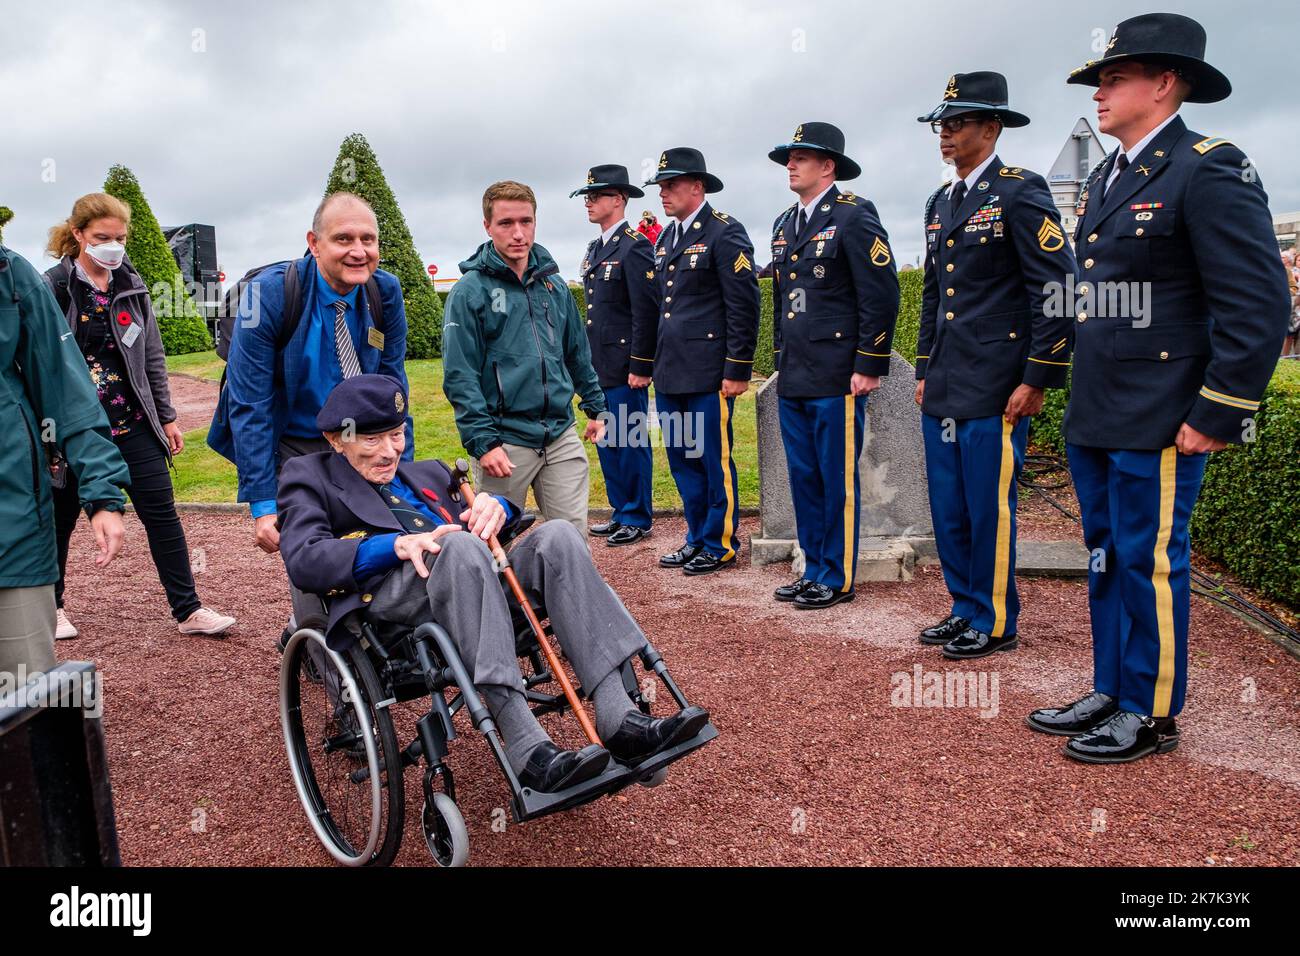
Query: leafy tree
point(356, 170)
point(183, 328)
point(5, 215)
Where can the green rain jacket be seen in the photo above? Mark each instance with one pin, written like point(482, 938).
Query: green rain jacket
point(514, 353)
point(45, 393)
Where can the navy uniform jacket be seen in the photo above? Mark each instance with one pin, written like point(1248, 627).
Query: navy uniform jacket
point(622, 306)
point(988, 320)
point(708, 320)
point(1188, 224)
point(326, 509)
point(834, 297)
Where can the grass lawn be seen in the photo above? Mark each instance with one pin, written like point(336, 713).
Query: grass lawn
point(203, 475)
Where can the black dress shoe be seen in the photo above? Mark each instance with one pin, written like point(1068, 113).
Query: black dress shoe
point(788, 592)
point(1086, 712)
point(817, 596)
point(971, 643)
point(1125, 736)
point(945, 630)
point(641, 736)
point(627, 535)
point(680, 557)
point(550, 769)
point(705, 563)
point(606, 529)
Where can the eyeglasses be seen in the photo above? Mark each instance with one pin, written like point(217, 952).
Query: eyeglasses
point(954, 124)
point(590, 198)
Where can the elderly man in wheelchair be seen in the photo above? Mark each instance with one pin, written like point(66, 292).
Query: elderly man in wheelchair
point(393, 545)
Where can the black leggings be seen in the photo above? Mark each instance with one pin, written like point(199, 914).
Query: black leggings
point(151, 493)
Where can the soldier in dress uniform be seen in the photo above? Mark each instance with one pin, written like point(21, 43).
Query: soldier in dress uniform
point(622, 320)
point(1177, 222)
point(989, 344)
point(708, 324)
point(835, 301)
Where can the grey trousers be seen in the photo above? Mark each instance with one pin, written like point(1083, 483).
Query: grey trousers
point(464, 594)
point(27, 629)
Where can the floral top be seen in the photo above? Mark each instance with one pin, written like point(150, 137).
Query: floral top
point(103, 357)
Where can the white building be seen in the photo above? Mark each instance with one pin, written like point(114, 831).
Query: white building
point(1081, 152)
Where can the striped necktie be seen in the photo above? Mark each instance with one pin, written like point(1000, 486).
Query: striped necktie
point(348, 361)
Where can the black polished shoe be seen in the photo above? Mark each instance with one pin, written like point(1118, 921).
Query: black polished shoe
point(1125, 736)
point(679, 558)
point(641, 736)
point(945, 630)
point(606, 529)
point(817, 596)
point(705, 563)
point(788, 592)
point(550, 769)
point(1074, 718)
point(971, 643)
point(627, 535)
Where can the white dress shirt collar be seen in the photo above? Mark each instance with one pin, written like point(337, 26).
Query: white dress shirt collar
point(1136, 151)
point(974, 176)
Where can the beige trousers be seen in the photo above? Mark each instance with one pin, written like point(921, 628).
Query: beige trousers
point(558, 474)
point(27, 628)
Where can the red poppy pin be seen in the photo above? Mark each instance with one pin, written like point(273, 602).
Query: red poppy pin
point(124, 318)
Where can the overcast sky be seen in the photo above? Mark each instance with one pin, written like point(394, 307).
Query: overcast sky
point(232, 113)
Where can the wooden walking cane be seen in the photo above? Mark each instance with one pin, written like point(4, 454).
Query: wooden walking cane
point(461, 477)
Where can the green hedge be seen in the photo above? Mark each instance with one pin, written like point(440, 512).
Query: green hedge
point(6, 214)
point(183, 329)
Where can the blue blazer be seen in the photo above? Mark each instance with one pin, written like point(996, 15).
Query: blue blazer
point(261, 385)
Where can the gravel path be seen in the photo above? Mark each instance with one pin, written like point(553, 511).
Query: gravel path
point(814, 764)
point(193, 399)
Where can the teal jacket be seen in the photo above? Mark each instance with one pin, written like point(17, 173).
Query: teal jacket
point(43, 378)
point(514, 354)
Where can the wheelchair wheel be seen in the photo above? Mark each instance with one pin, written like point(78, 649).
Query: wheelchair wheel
point(342, 748)
point(444, 831)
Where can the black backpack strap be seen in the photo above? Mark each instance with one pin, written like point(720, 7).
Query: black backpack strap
point(376, 301)
point(59, 287)
point(292, 313)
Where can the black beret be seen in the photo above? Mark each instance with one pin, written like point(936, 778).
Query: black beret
point(369, 403)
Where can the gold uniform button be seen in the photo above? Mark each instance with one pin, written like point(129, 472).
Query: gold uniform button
point(671, 268)
point(622, 341)
point(950, 242)
point(670, 282)
point(589, 306)
point(1012, 335)
point(952, 291)
point(710, 335)
point(1093, 237)
point(837, 335)
point(789, 315)
point(791, 295)
point(983, 239)
point(1140, 230)
point(1087, 263)
point(794, 275)
point(591, 292)
point(589, 321)
point(950, 267)
point(668, 298)
point(668, 315)
point(1083, 316)
point(795, 257)
point(367, 598)
point(949, 316)
point(1163, 356)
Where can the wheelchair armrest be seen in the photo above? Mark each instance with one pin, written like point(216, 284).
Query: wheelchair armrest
point(526, 521)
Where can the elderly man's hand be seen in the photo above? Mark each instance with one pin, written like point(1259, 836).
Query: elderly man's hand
point(412, 547)
point(265, 534)
point(486, 518)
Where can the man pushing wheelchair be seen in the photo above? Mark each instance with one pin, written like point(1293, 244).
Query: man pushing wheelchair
point(397, 542)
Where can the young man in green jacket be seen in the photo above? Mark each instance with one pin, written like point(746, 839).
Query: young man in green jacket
point(43, 377)
point(515, 352)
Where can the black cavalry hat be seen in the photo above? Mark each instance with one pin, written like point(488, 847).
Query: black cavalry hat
point(684, 161)
point(370, 403)
point(981, 92)
point(824, 138)
point(1162, 39)
point(608, 177)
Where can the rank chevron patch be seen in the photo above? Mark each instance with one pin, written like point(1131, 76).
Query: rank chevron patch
point(1050, 238)
point(742, 262)
point(880, 253)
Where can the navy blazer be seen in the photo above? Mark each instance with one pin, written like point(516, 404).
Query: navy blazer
point(622, 306)
point(708, 320)
point(835, 297)
point(326, 509)
point(988, 320)
point(1187, 227)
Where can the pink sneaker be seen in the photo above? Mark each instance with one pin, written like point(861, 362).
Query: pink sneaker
point(206, 621)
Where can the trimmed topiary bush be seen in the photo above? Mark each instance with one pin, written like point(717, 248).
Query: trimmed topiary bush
point(183, 328)
point(6, 214)
point(356, 170)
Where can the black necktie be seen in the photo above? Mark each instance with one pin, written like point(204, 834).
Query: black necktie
point(410, 519)
point(1121, 163)
point(958, 194)
point(675, 238)
point(800, 221)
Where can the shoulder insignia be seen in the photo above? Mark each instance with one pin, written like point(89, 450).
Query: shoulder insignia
point(849, 199)
point(721, 215)
point(633, 234)
point(742, 263)
point(880, 255)
point(1209, 143)
point(1011, 172)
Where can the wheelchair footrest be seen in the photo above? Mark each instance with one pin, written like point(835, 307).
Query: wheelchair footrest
point(529, 804)
point(672, 754)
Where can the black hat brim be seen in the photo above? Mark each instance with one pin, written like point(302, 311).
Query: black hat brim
point(845, 168)
point(1010, 118)
point(627, 188)
point(712, 184)
point(1208, 84)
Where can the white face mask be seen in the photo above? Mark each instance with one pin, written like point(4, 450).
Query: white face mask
point(108, 254)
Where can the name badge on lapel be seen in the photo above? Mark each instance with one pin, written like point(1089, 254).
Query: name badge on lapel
point(130, 335)
point(375, 337)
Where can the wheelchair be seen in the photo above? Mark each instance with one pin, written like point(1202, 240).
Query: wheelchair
point(347, 763)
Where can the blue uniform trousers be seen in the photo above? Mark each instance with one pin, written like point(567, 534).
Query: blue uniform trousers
point(1135, 507)
point(972, 465)
point(696, 430)
point(626, 458)
point(823, 439)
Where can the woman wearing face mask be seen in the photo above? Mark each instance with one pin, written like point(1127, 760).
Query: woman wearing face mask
point(111, 317)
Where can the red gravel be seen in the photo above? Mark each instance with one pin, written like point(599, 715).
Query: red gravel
point(808, 733)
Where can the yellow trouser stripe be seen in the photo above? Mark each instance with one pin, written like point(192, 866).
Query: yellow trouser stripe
point(729, 518)
point(1002, 552)
point(1160, 583)
point(850, 500)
